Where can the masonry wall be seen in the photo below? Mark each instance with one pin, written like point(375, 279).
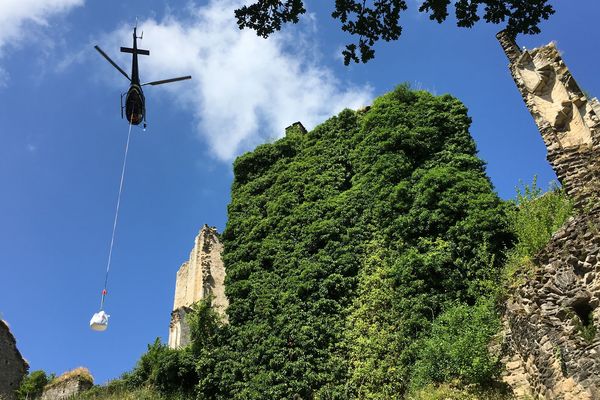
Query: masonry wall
point(201, 276)
point(552, 318)
point(66, 389)
point(567, 120)
point(68, 385)
point(12, 365)
point(179, 331)
point(552, 347)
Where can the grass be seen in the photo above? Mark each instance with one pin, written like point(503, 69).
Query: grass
point(534, 219)
point(452, 392)
point(123, 393)
point(118, 390)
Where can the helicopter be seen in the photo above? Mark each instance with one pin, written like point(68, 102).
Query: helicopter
point(135, 102)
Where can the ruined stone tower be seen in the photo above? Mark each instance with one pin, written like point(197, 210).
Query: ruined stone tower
point(552, 321)
point(202, 275)
point(566, 118)
point(12, 365)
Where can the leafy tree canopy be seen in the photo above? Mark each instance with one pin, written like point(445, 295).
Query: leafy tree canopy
point(373, 20)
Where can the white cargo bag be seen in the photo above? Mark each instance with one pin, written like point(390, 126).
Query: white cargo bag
point(99, 321)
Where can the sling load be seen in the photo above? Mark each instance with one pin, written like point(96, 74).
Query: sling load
point(99, 321)
point(135, 111)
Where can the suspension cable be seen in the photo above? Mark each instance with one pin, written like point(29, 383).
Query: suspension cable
point(112, 239)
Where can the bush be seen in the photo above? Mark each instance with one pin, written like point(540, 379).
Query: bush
point(115, 390)
point(33, 384)
point(167, 370)
point(449, 392)
point(457, 347)
point(535, 217)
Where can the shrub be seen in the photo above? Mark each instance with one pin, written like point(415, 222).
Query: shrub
point(33, 384)
point(535, 217)
point(450, 392)
point(457, 347)
point(115, 390)
point(167, 370)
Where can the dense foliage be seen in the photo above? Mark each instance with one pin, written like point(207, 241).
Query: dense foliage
point(533, 219)
point(32, 385)
point(342, 246)
point(167, 370)
point(456, 350)
point(372, 21)
point(116, 390)
point(364, 261)
point(447, 356)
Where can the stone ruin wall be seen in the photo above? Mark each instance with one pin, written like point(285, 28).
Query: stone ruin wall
point(202, 275)
point(567, 120)
point(551, 349)
point(547, 318)
point(68, 385)
point(12, 365)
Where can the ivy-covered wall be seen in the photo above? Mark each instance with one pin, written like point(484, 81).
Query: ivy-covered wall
point(343, 247)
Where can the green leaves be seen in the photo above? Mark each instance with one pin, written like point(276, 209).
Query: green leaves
point(534, 218)
point(371, 21)
point(360, 261)
point(345, 243)
point(167, 370)
point(457, 347)
point(538, 215)
point(32, 385)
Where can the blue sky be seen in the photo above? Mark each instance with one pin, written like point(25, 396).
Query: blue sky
point(62, 142)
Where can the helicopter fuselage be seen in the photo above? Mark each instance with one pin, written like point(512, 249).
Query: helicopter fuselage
point(135, 102)
point(135, 105)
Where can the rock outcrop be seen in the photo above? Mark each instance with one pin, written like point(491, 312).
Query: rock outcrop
point(201, 276)
point(12, 365)
point(551, 320)
point(68, 384)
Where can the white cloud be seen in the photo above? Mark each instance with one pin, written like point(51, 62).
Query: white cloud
point(16, 15)
point(3, 78)
point(244, 89)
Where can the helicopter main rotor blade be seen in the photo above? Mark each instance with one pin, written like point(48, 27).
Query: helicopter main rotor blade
point(112, 62)
point(181, 78)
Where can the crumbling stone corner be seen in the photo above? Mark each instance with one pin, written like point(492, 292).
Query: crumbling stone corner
point(201, 276)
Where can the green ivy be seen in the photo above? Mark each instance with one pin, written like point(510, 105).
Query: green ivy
point(343, 244)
